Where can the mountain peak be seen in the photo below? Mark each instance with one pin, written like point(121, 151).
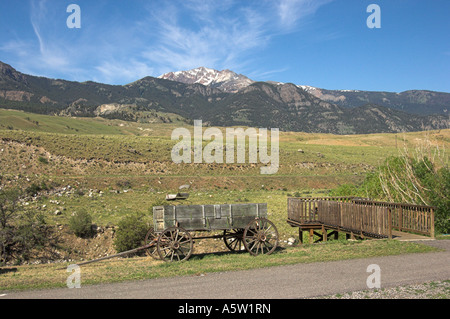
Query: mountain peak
point(225, 80)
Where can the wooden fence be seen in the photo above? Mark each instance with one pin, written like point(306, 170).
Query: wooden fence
point(305, 210)
point(365, 220)
point(362, 215)
point(407, 217)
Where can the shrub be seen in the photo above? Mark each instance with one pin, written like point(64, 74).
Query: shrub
point(43, 160)
point(24, 235)
point(407, 179)
point(131, 232)
point(81, 224)
point(35, 188)
point(123, 184)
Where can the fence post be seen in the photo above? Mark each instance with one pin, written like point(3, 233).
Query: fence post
point(390, 222)
point(432, 222)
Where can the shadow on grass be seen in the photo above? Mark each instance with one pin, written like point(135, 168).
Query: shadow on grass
point(229, 253)
point(7, 270)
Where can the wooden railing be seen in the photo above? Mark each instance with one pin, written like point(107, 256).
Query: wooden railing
point(304, 210)
point(408, 217)
point(372, 217)
point(365, 220)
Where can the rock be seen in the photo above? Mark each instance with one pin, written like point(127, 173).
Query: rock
point(300, 150)
point(291, 240)
point(57, 212)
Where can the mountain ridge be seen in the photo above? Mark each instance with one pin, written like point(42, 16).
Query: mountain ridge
point(260, 104)
point(424, 102)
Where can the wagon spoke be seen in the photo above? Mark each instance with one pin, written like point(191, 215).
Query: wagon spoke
point(233, 239)
point(174, 244)
point(260, 237)
point(186, 240)
point(234, 242)
point(256, 244)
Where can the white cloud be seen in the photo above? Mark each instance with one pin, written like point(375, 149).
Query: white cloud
point(122, 72)
point(292, 11)
point(224, 35)
point(220, 41)
point(170, 36)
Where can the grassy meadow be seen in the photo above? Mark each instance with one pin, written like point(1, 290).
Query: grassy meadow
point(120, 167)
point(113, 168)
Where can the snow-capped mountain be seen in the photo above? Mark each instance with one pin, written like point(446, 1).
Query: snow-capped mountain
point(225, 80)
point(416, 101)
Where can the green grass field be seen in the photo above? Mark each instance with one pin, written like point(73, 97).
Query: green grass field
point(110, 155)
point(116, 168)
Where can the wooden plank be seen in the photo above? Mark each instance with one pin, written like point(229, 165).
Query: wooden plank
point(432, 222)
point(324, 234)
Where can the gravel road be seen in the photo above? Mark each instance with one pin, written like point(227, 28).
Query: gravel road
point(323, 279)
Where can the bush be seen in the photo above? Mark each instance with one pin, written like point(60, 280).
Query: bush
point(35, 188)
point(81, 224)
point(405, 179)
point(24, 235)
point(131, 232)
point(43, 160)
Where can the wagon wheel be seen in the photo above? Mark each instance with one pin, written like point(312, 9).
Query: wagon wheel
point(260, 237)
point(174, 244)
point(234, 239)
point(151, 237)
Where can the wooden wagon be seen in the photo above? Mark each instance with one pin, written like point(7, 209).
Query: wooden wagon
point(243, 226)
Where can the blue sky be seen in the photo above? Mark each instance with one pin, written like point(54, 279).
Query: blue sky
point(322, 43)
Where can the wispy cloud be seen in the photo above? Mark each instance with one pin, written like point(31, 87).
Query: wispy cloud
point(50, 55)
point(290, 12)
point(110, 71)
point(221, 40)
point(170, 36)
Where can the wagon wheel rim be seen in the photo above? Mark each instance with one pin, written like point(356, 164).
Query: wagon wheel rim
point(234, 239)
point(174, 244)
point(150, 238)
point(260, 237)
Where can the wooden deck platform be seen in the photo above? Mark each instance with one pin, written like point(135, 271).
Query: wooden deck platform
point(359, 218)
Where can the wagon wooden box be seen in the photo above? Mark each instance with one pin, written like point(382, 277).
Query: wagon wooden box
point(244, 226)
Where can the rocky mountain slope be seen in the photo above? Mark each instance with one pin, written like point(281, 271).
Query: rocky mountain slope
point(288, 107)
point(225, 80)
point(414, 101)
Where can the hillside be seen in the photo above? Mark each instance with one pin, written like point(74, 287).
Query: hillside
point(260, 104)
point(413, 101)
point(421, 102)
point(113, 168)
